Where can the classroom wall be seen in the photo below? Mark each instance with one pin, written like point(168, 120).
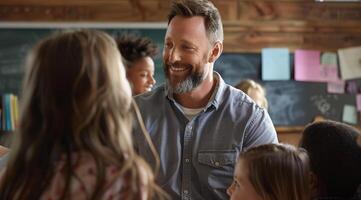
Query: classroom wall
point(249, 25)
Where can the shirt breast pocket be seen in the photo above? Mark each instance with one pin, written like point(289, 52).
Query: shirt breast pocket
point(217, 167)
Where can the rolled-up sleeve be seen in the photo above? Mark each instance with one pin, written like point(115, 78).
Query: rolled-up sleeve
point(260, 130)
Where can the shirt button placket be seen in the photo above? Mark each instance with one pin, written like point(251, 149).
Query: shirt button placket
point(187, 157)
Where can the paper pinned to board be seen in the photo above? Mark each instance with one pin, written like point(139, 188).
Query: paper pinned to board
point(329, 58)
point(276, 64)
point(350, 62)
point(349, 114)
point(337, 87)
point(351, 87)
point(308, 67)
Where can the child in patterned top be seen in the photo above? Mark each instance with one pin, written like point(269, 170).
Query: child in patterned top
point(74, 139)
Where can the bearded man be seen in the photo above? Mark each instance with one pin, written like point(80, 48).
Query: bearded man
point(197, 122)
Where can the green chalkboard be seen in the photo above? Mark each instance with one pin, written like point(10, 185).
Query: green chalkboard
point(291, 103)
point(16, 43)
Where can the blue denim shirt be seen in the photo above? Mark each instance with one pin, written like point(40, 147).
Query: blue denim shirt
point(197, 157)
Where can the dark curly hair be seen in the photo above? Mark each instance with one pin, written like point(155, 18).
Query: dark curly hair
point(335, 156)
point(132, 48)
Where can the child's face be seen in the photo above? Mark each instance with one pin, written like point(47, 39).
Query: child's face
point(140, 75)
point(241, 188)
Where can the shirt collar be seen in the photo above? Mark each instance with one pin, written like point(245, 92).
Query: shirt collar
point(218, 92)
point(216, 96)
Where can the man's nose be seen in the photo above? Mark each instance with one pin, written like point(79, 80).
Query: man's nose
point(174, 55)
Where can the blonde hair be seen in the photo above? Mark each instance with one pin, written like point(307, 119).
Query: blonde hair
point(75, 98)
point(278, 171)
point(247, 84)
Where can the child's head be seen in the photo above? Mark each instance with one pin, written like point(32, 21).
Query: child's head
point(335, 158)
point(138, 53)
point(255, 91)
point(271, 172)
point(75, 90)
point(76, 98)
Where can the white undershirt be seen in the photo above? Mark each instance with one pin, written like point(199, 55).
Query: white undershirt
point(190, 112)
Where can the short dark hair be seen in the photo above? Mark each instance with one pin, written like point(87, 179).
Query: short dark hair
point(204, 8)
point(335, 156)
point(132, 48)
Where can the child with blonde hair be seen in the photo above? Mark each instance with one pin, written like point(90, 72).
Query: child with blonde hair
point(255, 91)
point(73, 140)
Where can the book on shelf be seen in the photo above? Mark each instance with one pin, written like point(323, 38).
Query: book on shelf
point(10, 112)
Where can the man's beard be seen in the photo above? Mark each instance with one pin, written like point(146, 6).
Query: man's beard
point(187, 85)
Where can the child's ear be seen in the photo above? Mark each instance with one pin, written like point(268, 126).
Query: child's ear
point(314, 184)
point(359, 140)
point(216, 52)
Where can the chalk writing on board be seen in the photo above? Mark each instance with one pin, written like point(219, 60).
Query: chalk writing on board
point(284, 103)
point(326, 104)
point(321, 104)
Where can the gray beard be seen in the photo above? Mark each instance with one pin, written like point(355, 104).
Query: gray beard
point(186, 85)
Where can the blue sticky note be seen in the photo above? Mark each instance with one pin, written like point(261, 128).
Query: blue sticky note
point(349, 114)
point(276, 64)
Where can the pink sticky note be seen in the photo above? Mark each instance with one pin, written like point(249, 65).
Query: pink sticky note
point(305, 63)
point(358, 102)
point(336, 87)
point(309, 68)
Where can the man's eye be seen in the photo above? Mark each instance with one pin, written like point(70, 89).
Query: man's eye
point(187, 47)
point(168, 45)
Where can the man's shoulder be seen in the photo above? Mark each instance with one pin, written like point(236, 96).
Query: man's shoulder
point(154, 96)
point(236, 97)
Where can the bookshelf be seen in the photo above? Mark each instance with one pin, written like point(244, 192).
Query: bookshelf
point(9, 116)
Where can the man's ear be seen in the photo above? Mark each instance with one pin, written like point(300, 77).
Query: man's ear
point(216, 52)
